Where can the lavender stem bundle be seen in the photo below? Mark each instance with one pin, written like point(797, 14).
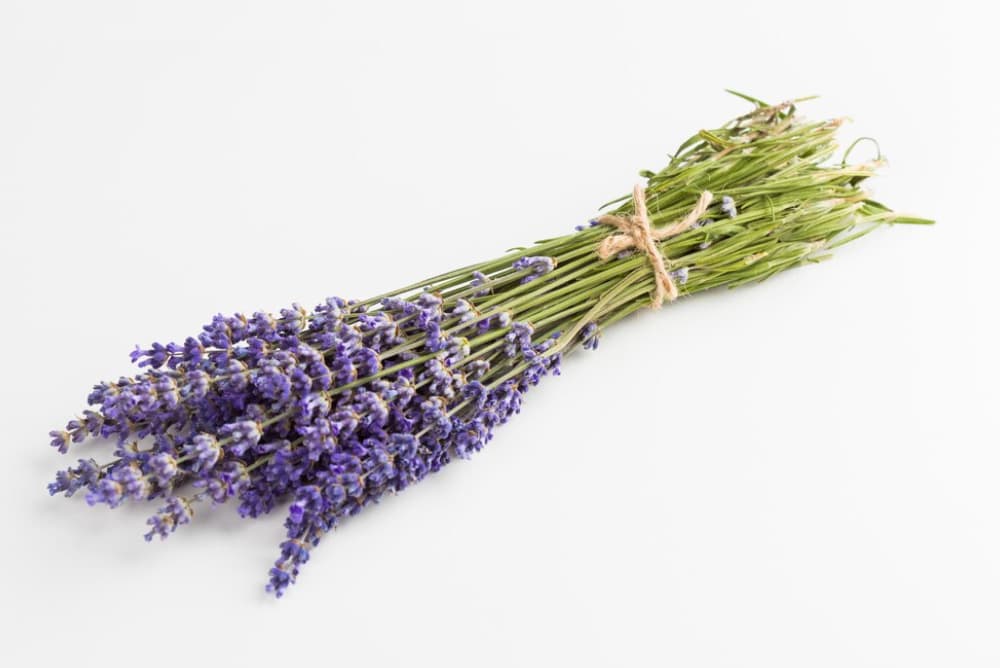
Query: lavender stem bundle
point(336, 407)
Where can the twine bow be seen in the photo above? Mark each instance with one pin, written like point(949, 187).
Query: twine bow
point(637, 233)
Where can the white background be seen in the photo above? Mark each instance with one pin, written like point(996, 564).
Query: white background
point(802, 473)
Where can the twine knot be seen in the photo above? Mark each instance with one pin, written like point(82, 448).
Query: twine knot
point(636, 232)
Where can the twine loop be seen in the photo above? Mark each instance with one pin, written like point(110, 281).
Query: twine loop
point(636, 232)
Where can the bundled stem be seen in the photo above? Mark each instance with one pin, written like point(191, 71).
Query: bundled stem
point(793, 207)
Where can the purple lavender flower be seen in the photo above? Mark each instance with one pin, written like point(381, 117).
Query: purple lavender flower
point(590, 336)
point(728, 206)
point(479, 278)
point(155, 357)
point(254, 409)
point(294, 553)
point(60, 440)
point(106, 491)
point(85, 474)
point(309, 505)
point(174, 513)
point(241, 435)
point(196, 385)
point(204, 451)
point(226, 481)
point(536, 266)
point(162, 468)
point(134, 484)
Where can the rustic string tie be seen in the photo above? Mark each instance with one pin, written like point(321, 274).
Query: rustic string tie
point(636, 232)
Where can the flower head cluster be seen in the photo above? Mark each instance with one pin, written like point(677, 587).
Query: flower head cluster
point(332, 408)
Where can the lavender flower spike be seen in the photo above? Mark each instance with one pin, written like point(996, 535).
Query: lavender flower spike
point(174, 513)
point(204, 449)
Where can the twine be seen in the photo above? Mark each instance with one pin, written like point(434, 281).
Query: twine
point(637, 233)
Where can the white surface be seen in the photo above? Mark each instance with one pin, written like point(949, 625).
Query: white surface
point(807, 471)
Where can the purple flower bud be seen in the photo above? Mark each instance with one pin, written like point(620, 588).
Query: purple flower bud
point(162, 468)
point(106, 491)
point(294, 553)
point(245, 409)
point(536, 266)
point(728, 206)
point(241, 436)
point(204, 450)
point(85, 474)
point(133, 484)
point(590, 336)
point(479, 278)
point(226, 480)
point(680, 275)
point(155, 357)
point(176, 512)
point(196, 385)
point(60, 440)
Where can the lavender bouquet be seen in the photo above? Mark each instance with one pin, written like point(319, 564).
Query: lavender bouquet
point(334, 408)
